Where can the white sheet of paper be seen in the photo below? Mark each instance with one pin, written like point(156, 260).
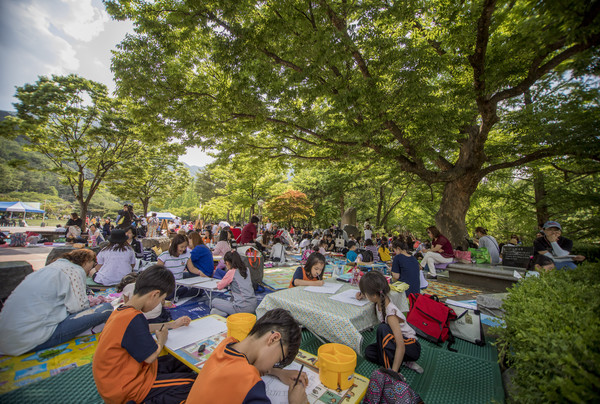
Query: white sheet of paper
point(192, 281)
point(278, 391)
point(328, 287)
point(461, 304)
point(349, 296)
point(197, 331)
point(517, 275)
point(210, 284)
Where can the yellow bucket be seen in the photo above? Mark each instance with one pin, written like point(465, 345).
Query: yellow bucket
point(336, 364)
point(240, 324)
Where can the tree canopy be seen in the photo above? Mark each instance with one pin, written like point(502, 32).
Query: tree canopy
point(75, 124)
point(447, 91)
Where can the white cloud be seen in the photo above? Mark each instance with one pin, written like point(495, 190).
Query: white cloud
point(84, 21)
point(43, 37)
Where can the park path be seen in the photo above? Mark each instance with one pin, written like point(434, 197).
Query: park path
point(36, 256)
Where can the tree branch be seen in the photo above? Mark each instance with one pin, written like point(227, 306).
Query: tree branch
point(340, 24)
point(477, 59)
point(536, 155)
point(536, 72)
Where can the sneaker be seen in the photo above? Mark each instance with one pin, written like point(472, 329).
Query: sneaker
point(414, 366)
point(431, 276)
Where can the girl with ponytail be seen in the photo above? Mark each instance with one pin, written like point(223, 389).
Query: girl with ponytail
point(243, 299)
point(396, 340)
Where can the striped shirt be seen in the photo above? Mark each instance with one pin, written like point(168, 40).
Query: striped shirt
point(175, 264)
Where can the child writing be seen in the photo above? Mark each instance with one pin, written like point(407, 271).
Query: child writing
point(126, 365)
point(384, 251)
point(312, 273)
point(396, 340)
point(405, 268)
point(233, 372)
point(243, 299)
point(157, 315)
point(351, 255)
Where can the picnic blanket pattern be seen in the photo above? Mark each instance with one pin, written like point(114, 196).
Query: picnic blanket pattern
point(330, 319)
point(447, 290)
point(18, 371)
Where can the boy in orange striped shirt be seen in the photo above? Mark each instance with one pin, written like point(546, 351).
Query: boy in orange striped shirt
point(126, 365)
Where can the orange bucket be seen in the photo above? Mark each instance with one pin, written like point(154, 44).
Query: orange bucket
point(336, 364)
point(240, 324)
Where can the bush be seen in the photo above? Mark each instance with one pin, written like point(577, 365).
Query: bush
point(552, 336)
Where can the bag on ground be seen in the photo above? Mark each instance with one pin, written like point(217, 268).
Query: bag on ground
point(389, 387)
point(481, 255)
point(254, 262)
point(431, 318)
point(464, 257)
point(467, 325)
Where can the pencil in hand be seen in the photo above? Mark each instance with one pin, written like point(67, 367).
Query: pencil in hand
point(298, 377)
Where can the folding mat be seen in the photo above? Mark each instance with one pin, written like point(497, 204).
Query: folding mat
point(471, 375)
point(446, 290)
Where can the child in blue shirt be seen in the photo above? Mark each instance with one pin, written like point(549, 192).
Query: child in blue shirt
point(351, 255)
point(405, 268)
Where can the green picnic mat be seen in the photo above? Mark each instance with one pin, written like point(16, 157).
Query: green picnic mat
point(471, 375)
point(73, 386)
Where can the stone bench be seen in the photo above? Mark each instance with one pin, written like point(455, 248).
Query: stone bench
point(11, 274)
point(492, 277)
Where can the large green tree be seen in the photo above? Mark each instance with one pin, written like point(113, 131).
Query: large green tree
point(83, 132)
point(154, 172)
point(440, 88)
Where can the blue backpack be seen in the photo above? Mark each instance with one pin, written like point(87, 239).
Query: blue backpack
point(389, 387)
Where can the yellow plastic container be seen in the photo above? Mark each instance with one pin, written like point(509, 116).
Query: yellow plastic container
point(336, 364)
point(240, 324)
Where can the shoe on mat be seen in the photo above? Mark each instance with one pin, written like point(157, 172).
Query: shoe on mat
point(431, 276)
point(414, 366)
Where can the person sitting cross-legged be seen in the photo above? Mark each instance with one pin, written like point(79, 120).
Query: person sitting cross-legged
point(441, 251)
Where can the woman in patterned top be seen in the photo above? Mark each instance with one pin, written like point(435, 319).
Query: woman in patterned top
point(50, 306)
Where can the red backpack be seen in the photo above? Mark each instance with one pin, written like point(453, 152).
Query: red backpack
point(431, 318)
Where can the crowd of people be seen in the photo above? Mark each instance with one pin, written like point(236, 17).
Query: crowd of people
point(32, 321)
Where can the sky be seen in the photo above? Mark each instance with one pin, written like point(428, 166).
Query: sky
point(45, 37)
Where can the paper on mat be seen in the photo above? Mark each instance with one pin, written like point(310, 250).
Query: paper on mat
point(464, 304)
point(517, 275)
point(192, 281)
point(328, 287)
point(197, 331)
point(211, 284)
point(349, 296)
point(278, 391)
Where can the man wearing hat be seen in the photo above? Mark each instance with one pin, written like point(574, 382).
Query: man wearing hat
point(556, 247)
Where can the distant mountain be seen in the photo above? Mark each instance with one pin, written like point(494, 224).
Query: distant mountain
point(193, 169)
point(4, 114)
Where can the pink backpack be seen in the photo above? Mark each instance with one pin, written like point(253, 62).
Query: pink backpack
point(389, 387)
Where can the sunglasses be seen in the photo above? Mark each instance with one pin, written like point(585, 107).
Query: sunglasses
point(282, 363)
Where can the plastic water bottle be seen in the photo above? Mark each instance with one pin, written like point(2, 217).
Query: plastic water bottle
point(355, 274)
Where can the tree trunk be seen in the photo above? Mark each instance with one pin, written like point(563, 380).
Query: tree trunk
point(83, 206)
point(379, 206)
point(228, 212)
point(541, 201)
point(456, 199)
point(145, 203)
point(342, 207)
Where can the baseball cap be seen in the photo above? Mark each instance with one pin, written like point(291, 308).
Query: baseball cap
point(552, 223)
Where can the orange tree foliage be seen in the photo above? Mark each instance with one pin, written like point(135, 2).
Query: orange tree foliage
point(289, 207)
